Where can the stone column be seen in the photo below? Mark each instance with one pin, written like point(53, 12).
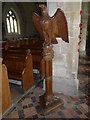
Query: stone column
point(65, 62)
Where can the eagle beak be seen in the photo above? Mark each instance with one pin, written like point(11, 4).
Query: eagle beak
point(41, 6)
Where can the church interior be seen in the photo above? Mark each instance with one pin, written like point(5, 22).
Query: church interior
point(22, 65)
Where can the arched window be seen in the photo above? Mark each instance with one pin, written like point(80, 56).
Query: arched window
point(12, 22)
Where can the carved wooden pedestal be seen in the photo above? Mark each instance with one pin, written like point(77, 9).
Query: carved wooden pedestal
point(49, 28)
point(48, 100)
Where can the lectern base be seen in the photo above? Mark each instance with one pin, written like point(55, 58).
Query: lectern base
point(49, 105)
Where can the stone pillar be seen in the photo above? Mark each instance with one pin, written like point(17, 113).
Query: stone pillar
point(65, 62)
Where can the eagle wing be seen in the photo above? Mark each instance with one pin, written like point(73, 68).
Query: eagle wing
point(36, 21)
point(59, 26)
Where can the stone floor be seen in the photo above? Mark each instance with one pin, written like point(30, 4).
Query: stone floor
point(17, 91)
point(73, 107)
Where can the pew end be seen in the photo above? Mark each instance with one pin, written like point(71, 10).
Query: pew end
point(27, 74)
point(20, 67)
point(6, 96)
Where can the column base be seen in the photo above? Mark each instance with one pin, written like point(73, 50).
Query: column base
point(49, 105)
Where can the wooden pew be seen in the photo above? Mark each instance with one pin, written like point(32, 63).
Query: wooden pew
point(19, 66)
point(36, 48)
point(5, 95)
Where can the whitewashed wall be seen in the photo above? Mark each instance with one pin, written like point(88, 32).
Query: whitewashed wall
point(65, 62)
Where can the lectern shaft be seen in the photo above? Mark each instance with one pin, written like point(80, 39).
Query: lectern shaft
point(48, 77)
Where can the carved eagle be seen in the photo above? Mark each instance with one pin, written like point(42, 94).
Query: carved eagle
point(51, 27)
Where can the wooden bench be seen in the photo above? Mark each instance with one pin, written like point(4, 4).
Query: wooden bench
point(36, 49)
point(5, 96)
point(19, 66)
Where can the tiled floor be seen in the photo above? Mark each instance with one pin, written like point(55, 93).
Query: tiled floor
point(73, 107)
point(17, 91)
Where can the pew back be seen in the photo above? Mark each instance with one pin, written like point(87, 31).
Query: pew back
point(35, 45)
point(19, 66)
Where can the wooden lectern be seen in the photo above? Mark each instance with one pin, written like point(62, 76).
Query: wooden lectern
point(49, 28)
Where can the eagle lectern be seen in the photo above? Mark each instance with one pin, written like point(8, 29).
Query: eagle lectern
point(49, 28)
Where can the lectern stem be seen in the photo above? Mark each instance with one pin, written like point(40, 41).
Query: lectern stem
point(48, 100)
point(48, 78)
